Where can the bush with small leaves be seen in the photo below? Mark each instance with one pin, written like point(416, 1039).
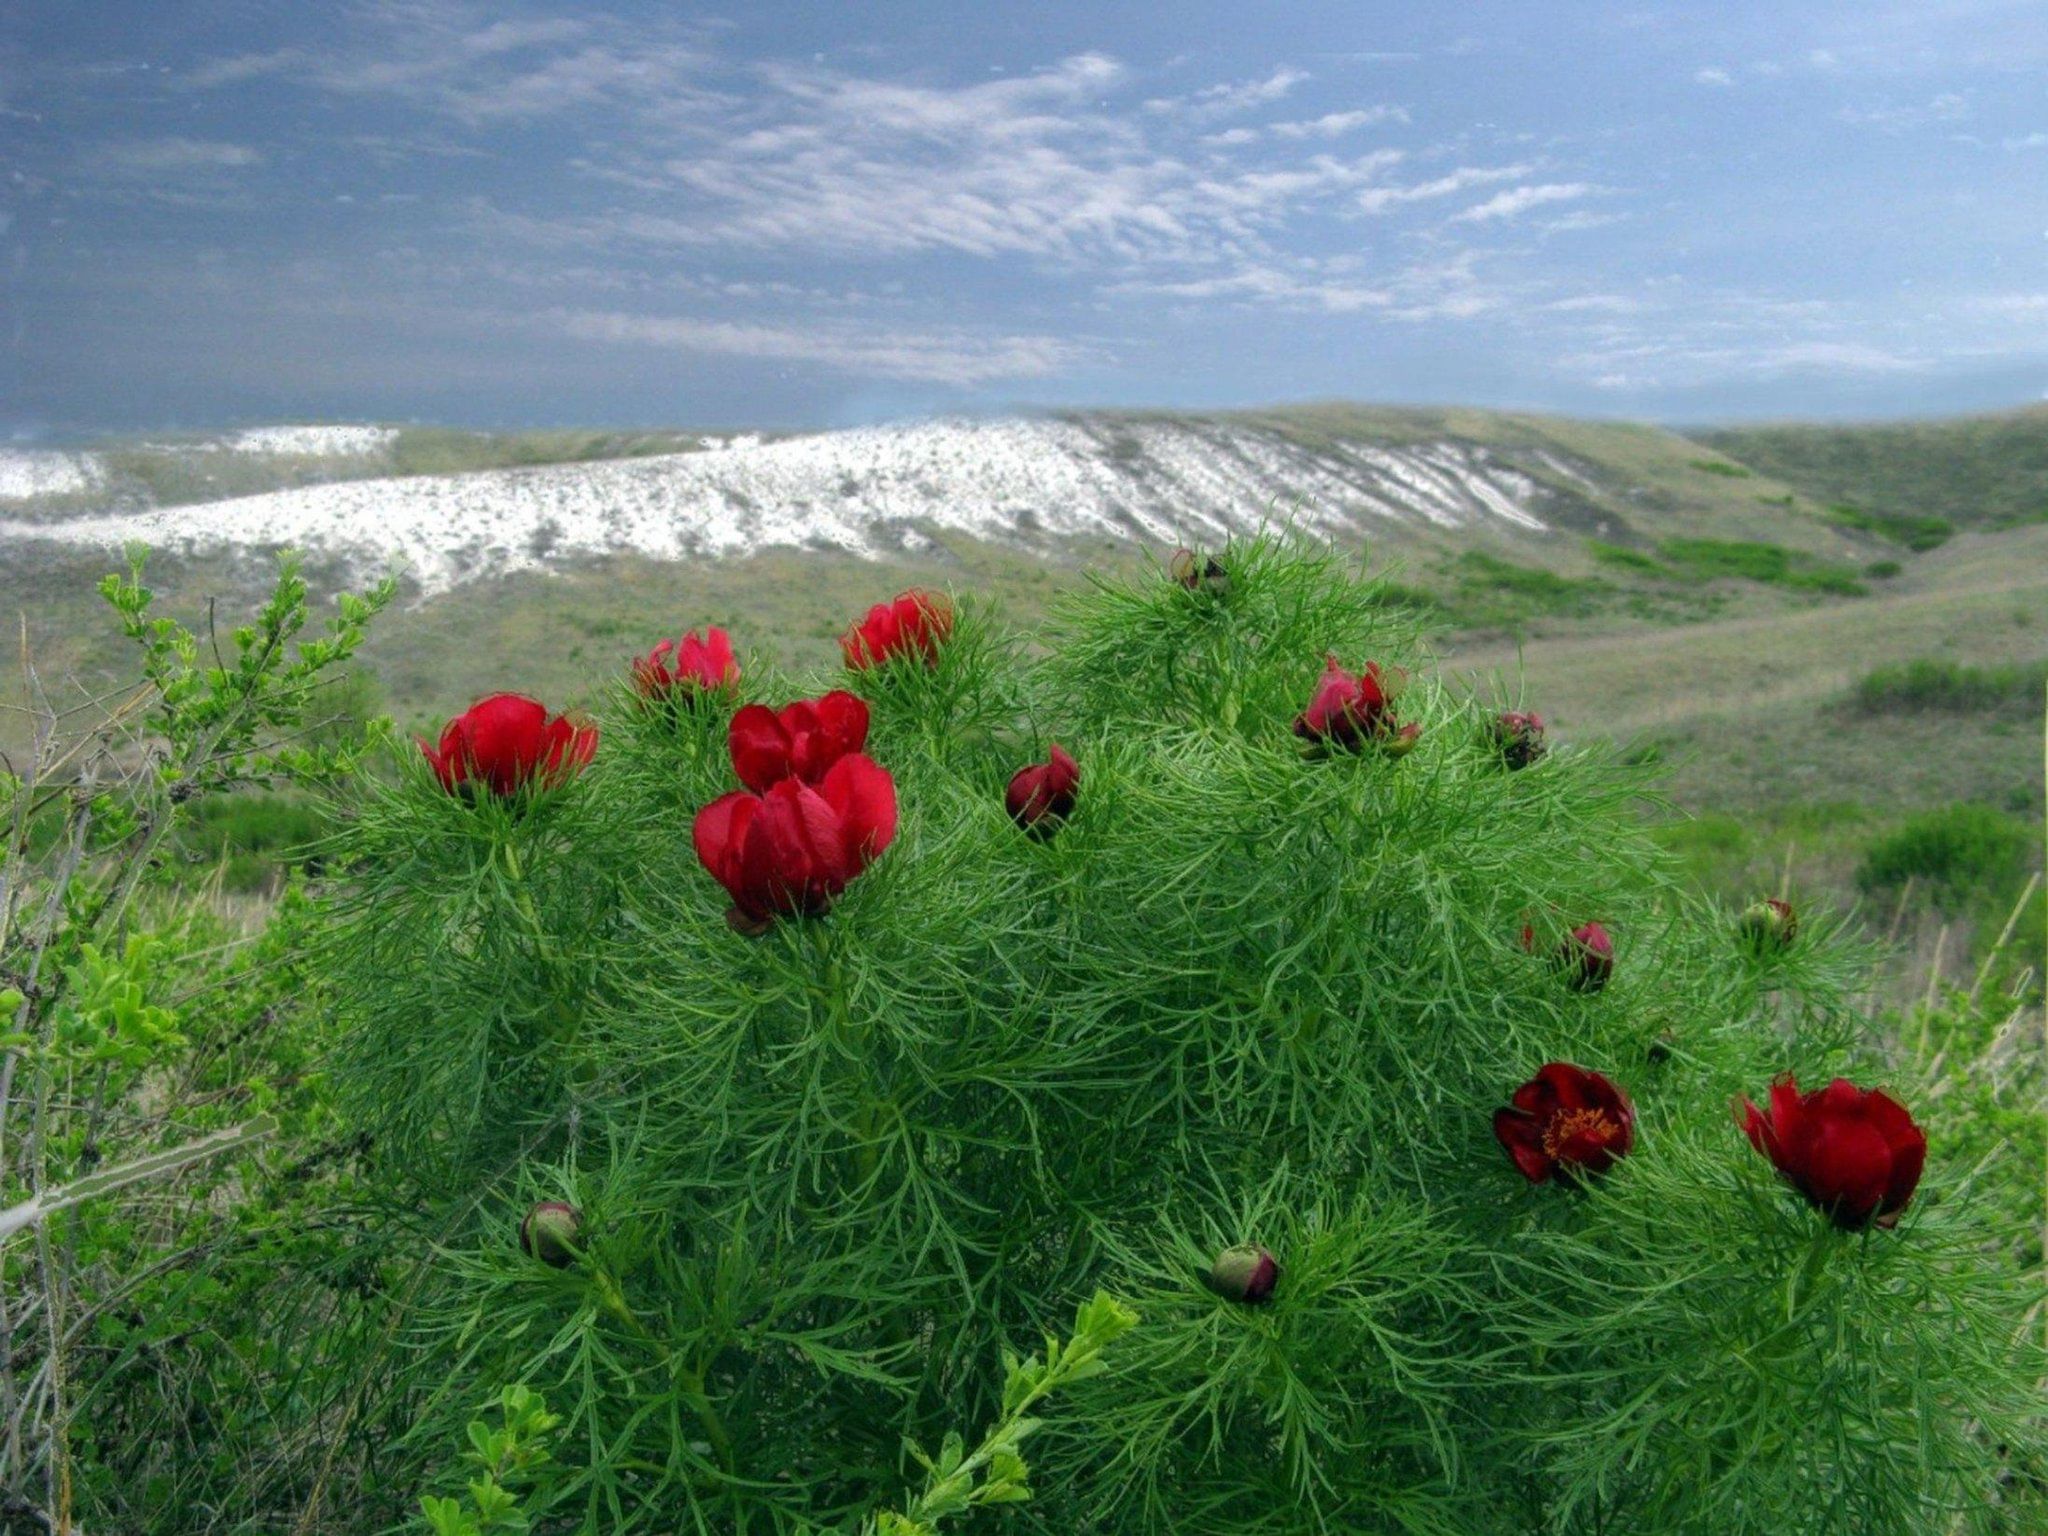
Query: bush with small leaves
point(1261, 997)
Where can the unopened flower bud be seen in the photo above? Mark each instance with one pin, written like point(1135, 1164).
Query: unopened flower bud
point(1587, 957)
point(1245, 1272)
point(550, 1233)
point(1199, 573)
point(1767, 925)
point(1400, 741)
point(1518, 737)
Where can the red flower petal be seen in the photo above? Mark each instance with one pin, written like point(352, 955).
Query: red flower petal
point(863, 795)
point(1849, 1169)
point(1521, 1137)
point(1569, 1085)
point(759, 747)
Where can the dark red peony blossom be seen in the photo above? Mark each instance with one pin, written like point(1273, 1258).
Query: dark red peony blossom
point(1518, 737)
point(1587, 957)
point(1199, 573)
point(551, 1232)
point(1245, 1272)
point(1768, 924)
point(914, 624)
point(1041, 796)
point(1565, 1121)
point(506, 742)
point(795, 848)
point(1354, 711)
point(687, 668)
point(1855, 1153)
point(802, 741)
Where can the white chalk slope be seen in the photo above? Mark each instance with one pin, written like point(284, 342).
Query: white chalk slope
point(866, 491)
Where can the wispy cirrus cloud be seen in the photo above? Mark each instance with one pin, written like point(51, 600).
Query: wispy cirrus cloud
point(446, 59)
point(1517, 201)
point(957, 357)
point(170, 157)
point(1043, 166)
point(1384, 199)
point(1226, 98)
point(1330, 125)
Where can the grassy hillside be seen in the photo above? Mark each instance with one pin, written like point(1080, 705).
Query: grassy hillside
point(1986, 471)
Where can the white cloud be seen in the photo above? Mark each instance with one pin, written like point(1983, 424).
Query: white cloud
point(171, 158)
point(1948, 107)
point(1383, 199)
point(444, 57)
point(1834, 357)
point(1269, 285)
point(1582, 219)
point(1712, 76)
point(1223, 100)
point(2035, 140)
point(1046, 165)
point(1519, 200)
point(960, 358)
point(1330, 125)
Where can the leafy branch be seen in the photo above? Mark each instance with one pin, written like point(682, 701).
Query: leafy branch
point(994, 1472)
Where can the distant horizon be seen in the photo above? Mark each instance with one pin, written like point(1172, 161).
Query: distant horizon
point(806, 218)
point(85, 437)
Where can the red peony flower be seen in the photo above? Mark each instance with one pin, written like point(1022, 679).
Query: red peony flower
point(1041, 796)
point(795, 848)
point(1855, 1153)
point(1245, 1272)
point(915, 624)
point(687, 668)
point(1518, 737)
point(1353, 712)
point(507, 742)
point(1565, 1121)
point(1586, 956)
point(802, 741)
point(1768, 924)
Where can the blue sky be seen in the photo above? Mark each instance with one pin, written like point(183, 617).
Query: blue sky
point(228, 211)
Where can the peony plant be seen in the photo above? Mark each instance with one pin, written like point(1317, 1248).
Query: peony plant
point(855, 1094)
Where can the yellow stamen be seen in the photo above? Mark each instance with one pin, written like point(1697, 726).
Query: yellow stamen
point(1594, 1125)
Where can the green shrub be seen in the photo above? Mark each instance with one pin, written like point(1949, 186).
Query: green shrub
point(1493, 591)
point(1248, 992)
point(1426, 605)
point(1720, 467)
point(1955, 854)
point(252, 837)
point(1930, 684)
point(1621, 557)
point(1756, 560)
point(150, 1057)
point(1917, 532)
point(1883, 570)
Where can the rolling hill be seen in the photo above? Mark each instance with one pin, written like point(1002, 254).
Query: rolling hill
point(1710, 599)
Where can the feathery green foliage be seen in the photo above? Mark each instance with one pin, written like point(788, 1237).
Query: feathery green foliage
point(1246, 994)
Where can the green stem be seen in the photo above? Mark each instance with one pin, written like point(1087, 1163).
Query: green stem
point(1802, 1279)
point(544, 949)
point(689, 1377)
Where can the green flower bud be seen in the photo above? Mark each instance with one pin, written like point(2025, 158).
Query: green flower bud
point(551, 1233)
point(1245, 1273)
